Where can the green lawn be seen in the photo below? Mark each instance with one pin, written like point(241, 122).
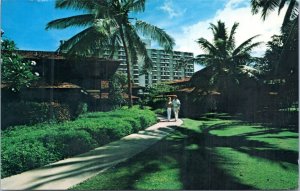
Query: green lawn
point(210, 153)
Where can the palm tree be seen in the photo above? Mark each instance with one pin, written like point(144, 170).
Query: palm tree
point(227, 65)
point(286, 65)
point(267, 6)
point(108, 26)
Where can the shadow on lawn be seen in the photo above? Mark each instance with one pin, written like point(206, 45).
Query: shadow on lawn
point(251, 147)
point(189, 160)
point(199, 167)
point(198, 163)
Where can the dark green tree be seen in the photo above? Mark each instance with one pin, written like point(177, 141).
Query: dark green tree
point(109, 25)
point(227, 66)
point(281, 58)
point(117, 89)
point(264, 7)
point(228, 63)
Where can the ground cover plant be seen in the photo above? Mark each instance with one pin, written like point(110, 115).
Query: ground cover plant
point(210, 153)
point(28, 147)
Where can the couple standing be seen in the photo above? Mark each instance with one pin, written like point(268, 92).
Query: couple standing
point(175, 104)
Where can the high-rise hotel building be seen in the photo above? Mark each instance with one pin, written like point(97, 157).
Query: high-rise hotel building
point(165, 66)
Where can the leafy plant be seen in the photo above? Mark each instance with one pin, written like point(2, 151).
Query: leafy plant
point(117, 89)
point(28, 147)
point(16, 73)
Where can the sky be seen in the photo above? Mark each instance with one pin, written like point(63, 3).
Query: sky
point(186, 21)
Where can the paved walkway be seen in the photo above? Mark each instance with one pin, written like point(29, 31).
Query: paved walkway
point(69, 172)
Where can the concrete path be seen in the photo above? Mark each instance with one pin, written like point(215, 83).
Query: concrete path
point(69, 172)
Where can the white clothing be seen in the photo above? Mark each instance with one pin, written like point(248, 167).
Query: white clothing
point(176, 107)
point(176, 103)
point(169, 111)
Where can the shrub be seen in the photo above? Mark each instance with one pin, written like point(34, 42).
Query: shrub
point(161, 111)
point(19, 113)
point(28, 147)
point(19, 157)
point(39, 147)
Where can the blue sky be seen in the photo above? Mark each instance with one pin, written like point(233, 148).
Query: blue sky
point(24, 21)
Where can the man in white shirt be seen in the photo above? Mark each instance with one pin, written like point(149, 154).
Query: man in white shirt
point(176, 107)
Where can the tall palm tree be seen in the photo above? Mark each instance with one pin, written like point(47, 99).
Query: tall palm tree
point(227, 65)
point(287, 62)
point(226, 61)
point(108, 26)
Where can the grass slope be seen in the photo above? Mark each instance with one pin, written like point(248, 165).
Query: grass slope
point(209, 153)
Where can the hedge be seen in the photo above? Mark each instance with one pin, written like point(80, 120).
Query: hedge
point(28, 147)
point(20, 113)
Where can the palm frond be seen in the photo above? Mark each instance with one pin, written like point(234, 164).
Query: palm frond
point(78, 4)
point(156, 34)
point(244, 45)
point(267, 7)
point(255, 6)
point(135, 5)
point(73, 21)
point(206, 46)
point(249, 71)
point(115, 45)
point(67, 45)
point(87, 42)
point(250, 47)
point(231, 38)
point(140, 47)
point(219, 31)
point(106, 26)
point(281, 5)
point(207, 59)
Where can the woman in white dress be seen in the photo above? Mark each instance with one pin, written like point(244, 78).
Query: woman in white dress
point(169, 108)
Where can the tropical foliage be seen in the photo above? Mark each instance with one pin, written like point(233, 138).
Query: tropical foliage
point(28, 147)
point(266, 6)
point(16, 73)
point(229, 63)
point(117, 89)
point(109, 26)
point(228, 66)
point(281, 57)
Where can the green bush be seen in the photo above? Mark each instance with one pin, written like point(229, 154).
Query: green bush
point(20, 113)
point(19, 157)
point(28, 147)
point(161, 111)
point(67, 143)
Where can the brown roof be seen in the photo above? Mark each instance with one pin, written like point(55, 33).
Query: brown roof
point(192, 89)
point(106, 96)
point(56, 56)
point(65, 85)
point(165, 96)
point(187, 90)
point(180, 81)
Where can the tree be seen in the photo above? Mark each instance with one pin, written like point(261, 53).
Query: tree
point(116, 89)
point(266, 6)
point(108, 27)
point(16, 73)
point(227, 66)
point(282, 54)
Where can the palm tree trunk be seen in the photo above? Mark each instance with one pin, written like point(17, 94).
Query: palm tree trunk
point(128, 68)
point(289, 12)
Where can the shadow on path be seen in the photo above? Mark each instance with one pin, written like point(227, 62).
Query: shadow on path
point(66, 173)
